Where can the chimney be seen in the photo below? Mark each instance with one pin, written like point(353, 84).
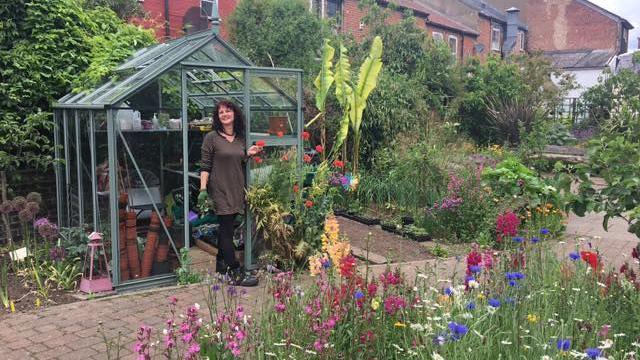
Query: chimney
point(511, 39)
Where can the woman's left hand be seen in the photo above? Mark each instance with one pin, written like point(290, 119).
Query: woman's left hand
point(254, 149)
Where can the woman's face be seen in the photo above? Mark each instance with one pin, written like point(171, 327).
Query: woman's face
point(226, 115)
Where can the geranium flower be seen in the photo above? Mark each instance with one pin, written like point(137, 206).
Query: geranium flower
point(296, 188)
point(305, 135)
point(308, 204)
point(260, 143)
point(279, 134)
point(306, 158)
point(339, 164)
point(319, 149)
point(258, 160)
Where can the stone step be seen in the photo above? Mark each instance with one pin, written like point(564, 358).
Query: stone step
point(373, 257)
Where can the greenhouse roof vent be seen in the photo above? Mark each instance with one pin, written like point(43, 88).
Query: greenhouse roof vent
point(209, 8)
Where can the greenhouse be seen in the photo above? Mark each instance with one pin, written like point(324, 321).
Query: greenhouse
point(131, 149)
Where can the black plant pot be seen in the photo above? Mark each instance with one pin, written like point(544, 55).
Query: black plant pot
point(407, 220)
point(420, 238)
point(365, 220)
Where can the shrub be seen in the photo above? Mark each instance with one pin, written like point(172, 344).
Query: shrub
point(600, 99)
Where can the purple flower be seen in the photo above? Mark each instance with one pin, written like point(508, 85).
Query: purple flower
point(513, 283)
point(280, 307)
point(495, 303)
point(439, 340)
point(57, 253)
point(457, 330)
point(593, 353)
point(563, 344)
point(535, 240)
point(518, 239)
point(471, 306)
point(358, 295)
point(574, 256)
point(448, 291)
point(544, 231)
point(475, 269)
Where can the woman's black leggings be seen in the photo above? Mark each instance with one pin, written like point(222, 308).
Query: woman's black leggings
point(225, 242)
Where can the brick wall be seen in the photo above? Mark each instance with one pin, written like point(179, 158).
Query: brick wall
point(183, 12)
point(569, 25)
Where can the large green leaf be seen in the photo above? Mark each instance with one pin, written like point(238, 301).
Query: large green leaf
point(325, 78)
point(343, 78)
point(341, 136)
point(367, 79)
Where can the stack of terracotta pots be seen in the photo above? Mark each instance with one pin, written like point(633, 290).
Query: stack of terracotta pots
point(122, 245)
point(132, 245)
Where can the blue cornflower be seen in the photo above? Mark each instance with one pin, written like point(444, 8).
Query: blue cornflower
point(494, 303)
point(475, 269)
point(514, 276)
point(448, 291)
point(593, 353)
point(470, 278)
point(544, 231)
point(535, 240)
point(574, 256)
point(563, 344)
point(457, 330)
point(518, 239)
point(215, 287)
point(513, 283)
point(358, 295)
point(471, 306)
point(326, 264)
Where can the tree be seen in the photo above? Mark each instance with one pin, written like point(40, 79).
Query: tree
point(281, 33)
point(45, 47)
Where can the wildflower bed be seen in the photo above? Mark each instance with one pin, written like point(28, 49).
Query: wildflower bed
point(519, 302)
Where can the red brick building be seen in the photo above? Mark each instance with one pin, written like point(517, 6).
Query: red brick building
point(175, 18)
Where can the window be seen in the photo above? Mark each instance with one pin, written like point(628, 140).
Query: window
point(453, 44)
point(437, 36)
point(521, 40)
point(333, 9)
point(496, 38)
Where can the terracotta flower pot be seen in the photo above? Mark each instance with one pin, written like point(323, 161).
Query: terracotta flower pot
point(278, 124)
point(132, 245)
point(150, 247)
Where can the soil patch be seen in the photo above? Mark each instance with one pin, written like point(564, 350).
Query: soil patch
point(24, 293)
point(395, 248)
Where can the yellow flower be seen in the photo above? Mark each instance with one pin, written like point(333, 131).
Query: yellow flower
point(399, 325)
point(37, 303)
point(481, 296)
point(13, 307)
point(375, 304)
point(337, 251)
point(532, 318)
point(315, 265)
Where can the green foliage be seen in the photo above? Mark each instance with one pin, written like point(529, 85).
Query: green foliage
point(503, 99)
point(125, 9)
point(600, 99)
point(559, 134)
point(65, 274)
point(615, 157)
point(185, 274)
point(74, 241)
point(4, 284)
point(510, 179)
point(281, 33)
point(44, 46)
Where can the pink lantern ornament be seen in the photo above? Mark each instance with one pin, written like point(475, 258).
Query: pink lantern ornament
point(95, 279)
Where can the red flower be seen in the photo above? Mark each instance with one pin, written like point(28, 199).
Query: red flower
point(507, 225)
point(260, 143)
point(279, 134)
point(306, 135)
point(295, 188)
point(306, 158)
point(319, 148)
point(338, 164)
point(308, 204)
point(347, 266)
point(258, 160)
point(590, 258)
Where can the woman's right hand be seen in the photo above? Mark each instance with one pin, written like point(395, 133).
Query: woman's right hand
point(202, 197)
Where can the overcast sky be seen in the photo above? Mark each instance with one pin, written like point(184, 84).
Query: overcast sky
point(628, 9)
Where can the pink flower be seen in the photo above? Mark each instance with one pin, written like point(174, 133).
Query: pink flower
point(280, 307)
point(240, 335)
point(173, 300)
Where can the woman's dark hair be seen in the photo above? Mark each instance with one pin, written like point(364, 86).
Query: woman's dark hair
point(238, 118)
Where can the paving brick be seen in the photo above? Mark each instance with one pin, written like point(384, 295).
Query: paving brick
point(19, 344)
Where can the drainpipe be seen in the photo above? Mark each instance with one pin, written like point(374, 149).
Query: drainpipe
point(167, 22)
point(512, 31)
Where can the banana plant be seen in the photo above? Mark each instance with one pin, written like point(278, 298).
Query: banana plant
point(353, 97)
point(323, 83)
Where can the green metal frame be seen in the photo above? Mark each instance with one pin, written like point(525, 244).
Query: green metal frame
point(144, 68)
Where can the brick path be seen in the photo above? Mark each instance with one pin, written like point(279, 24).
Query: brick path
point(71, 331)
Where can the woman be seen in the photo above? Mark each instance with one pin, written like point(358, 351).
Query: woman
point(222, 176)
